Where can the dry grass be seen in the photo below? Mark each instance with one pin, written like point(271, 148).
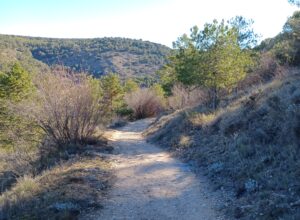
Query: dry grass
point(62, 173)
point(185, 141)
point(202, 119)
point(54, 184)
point(268, 68)
point(59, 193)
point(249, 146)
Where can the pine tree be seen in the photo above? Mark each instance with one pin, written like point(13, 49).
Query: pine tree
point(112, 92)
point(212, 58)
point(16, 84)
point(130, 86)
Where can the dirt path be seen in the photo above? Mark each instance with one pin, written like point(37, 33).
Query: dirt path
point(152, 185)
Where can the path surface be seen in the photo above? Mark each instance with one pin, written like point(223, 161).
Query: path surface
point(151, 184)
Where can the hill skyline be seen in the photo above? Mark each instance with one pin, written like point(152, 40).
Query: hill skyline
point(97, 56)
point(156, 21)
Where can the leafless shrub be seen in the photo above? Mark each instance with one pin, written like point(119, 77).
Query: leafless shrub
point(184, 97)
point(66, 108)
point(267, 69)
point(144, 103)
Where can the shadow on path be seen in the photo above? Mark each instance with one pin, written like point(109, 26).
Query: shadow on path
point(151, 184)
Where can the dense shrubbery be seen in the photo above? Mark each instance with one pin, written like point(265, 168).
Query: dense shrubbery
point(113, 92)
point(249, 144)
point(144, 103)
point(66, 108)
point(15, 86)
point(215, 58)
point(44, 119)
point(46, 110)
point(18, 135)
point(184, 97)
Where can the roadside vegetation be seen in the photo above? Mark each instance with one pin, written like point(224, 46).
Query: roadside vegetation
point(242, 126)
point(52, 147)
point(222, 102)
point(51, 144)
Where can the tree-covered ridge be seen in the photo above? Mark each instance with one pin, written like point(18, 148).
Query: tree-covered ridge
point(12, 50)
point(98, 56)
point(285, 46)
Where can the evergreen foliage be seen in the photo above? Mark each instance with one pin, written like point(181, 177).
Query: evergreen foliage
point(98, 56)
point(112, 92)
point(216, 57)
point(15, 86)
point(130, 86)
point(285, 46)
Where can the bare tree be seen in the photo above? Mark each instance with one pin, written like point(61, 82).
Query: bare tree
point(66, 108)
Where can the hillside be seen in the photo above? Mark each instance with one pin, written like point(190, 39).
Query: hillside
point(12, 50)
point(248, 146)
point(98, 56)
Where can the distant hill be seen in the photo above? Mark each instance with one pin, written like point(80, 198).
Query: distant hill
point(97, 56)
point(13, 49)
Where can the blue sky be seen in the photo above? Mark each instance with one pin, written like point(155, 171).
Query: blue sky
point(160, 21)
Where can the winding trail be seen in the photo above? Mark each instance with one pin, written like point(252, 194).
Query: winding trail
point(150, 184)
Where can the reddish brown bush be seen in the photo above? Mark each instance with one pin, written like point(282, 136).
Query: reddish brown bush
point(183, 97)
point(144, 103)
